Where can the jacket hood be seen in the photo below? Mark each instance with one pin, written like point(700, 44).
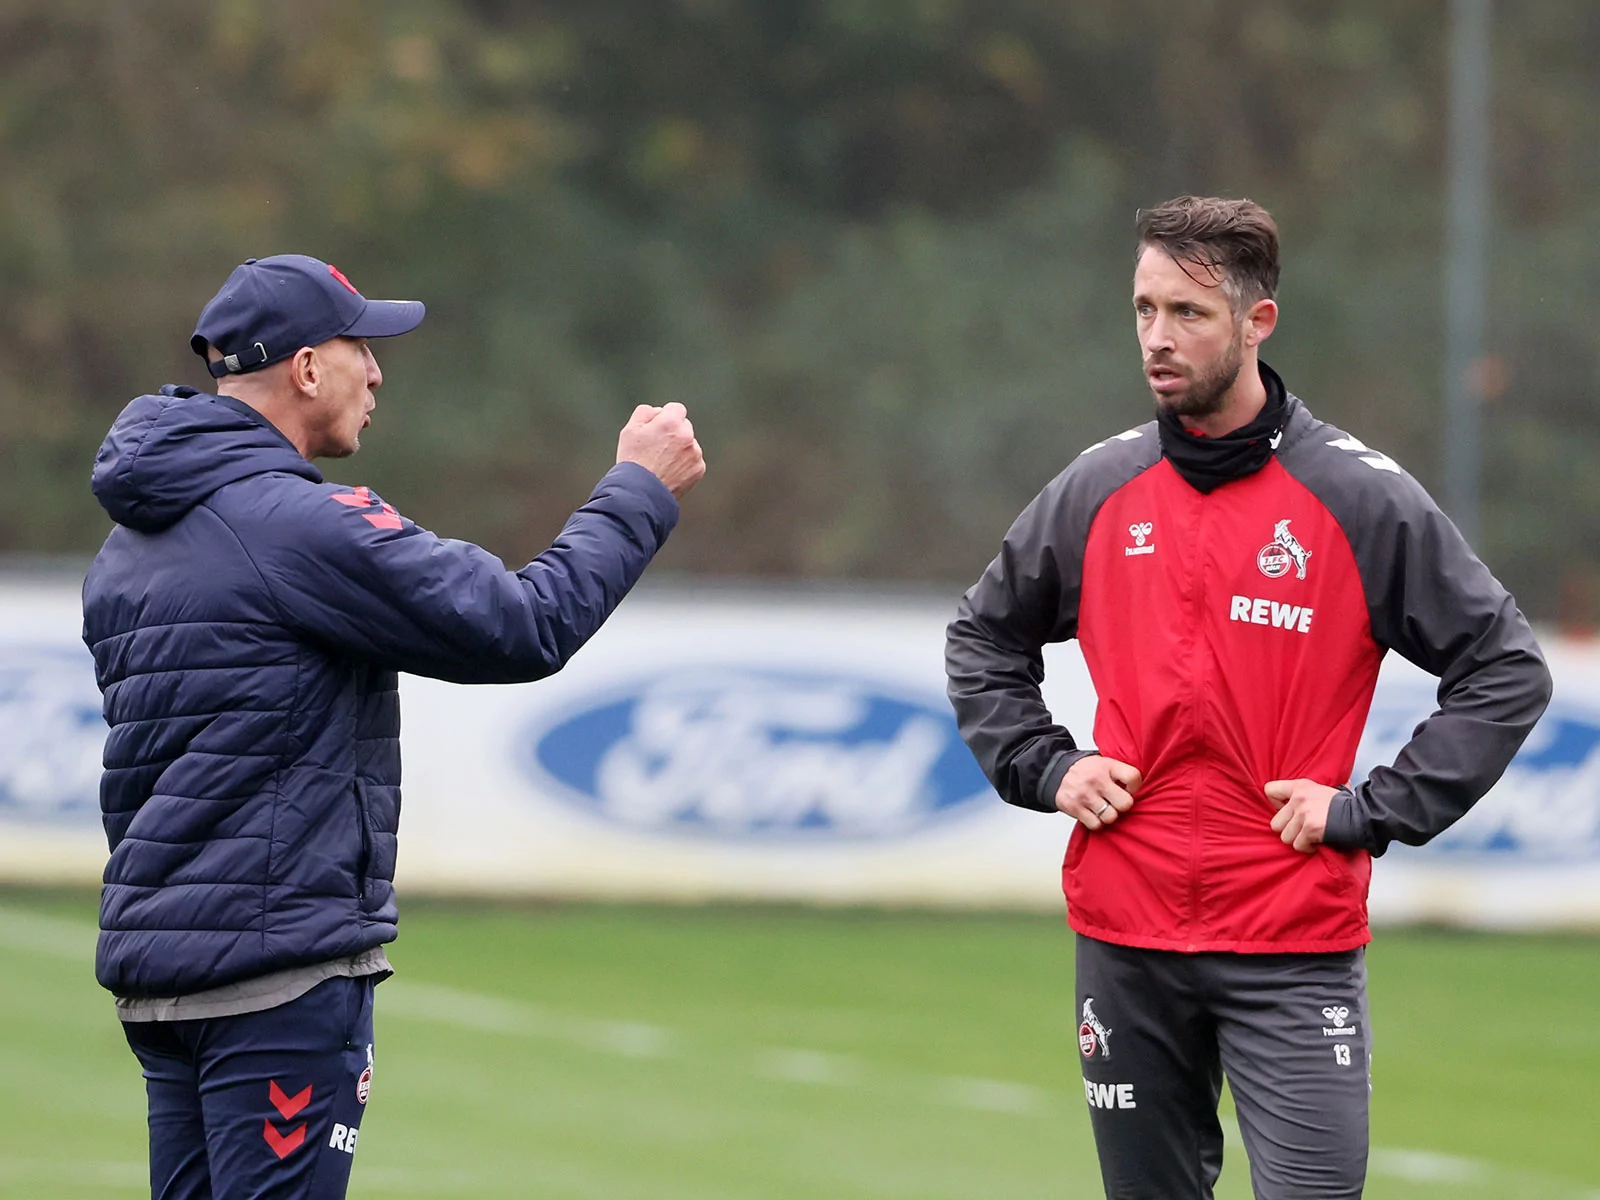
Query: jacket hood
point(166, 453)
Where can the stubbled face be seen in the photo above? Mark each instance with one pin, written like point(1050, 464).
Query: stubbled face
point(1192, 344)
point(348, 376)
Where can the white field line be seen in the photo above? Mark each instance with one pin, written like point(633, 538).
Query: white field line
point(476, 1012)
point(490, 1014)
point(809, 1066)
point(994, 1095)
point(1449, 1171)
point(1422, 1166)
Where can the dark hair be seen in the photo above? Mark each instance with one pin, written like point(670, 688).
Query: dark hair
point(1235, 239)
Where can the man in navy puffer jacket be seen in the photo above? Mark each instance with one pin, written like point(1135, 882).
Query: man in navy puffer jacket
point(248, 620)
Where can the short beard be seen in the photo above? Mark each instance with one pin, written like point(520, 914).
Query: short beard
point(1204, 397)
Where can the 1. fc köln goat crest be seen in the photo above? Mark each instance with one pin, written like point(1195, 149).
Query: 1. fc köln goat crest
point(1281, 553)
point(1094, 1039)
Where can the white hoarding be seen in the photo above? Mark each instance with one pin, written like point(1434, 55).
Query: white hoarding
point(785, 747)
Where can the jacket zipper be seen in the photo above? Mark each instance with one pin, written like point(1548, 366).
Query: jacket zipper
point(1201, 652)
point(364, 860)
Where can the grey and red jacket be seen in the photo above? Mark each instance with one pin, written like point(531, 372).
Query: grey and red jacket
point(1233, 637)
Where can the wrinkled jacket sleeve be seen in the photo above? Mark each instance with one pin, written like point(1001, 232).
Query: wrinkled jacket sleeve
point(1027, 598)
point(368, 584)
point(1433, 601)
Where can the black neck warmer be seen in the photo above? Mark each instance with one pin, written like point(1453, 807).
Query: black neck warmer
point(1207, 463)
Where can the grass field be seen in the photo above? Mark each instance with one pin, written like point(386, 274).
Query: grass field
point(655, 1054)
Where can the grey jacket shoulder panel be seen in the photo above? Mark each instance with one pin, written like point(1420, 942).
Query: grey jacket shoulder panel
point(1430, 599)
point(1028, 597)
point(1381, 508)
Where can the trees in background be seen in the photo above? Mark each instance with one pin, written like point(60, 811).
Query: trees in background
point(882, 250)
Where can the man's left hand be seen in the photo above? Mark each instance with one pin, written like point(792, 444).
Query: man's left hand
point(1304, 815)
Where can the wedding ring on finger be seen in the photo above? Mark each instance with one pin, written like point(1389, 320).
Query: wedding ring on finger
point(1101, 811)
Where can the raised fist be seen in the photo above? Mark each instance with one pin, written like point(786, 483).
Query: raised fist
point(662, 441)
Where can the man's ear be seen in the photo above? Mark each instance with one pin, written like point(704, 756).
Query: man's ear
point(305, 371)
point(1260, 321)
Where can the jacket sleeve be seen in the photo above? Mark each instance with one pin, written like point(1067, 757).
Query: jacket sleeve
point(1430, 599)
point(351, 574)
point(993, 649)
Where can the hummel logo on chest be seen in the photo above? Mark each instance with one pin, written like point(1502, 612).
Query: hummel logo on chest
point(1140, 532)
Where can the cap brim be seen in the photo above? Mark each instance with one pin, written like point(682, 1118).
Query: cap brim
point(387, 318)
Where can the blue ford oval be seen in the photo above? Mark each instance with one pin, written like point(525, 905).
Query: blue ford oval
point(739, 753)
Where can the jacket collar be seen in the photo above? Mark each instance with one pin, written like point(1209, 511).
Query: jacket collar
point(1206, 463)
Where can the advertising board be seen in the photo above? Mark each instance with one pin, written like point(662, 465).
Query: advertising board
point(779, 746)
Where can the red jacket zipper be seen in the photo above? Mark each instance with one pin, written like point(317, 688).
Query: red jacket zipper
point(1201, 650)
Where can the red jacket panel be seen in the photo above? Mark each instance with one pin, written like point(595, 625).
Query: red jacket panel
point(1220, 669)
point(1234, 637)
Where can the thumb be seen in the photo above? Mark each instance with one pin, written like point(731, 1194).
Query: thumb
point(1125, 775)
point(1280, 790)
point(644, 414)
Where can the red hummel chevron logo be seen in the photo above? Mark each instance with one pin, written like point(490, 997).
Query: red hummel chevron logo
point(285, 1144)
point(362, 497)
point(356, 497)
point(288, 1106)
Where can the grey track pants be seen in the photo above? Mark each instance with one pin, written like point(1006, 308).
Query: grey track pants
point(1157, 1031)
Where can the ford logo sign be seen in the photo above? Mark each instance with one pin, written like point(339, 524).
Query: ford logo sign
point(1547, 805)
point(756, 753)
point(51, 734)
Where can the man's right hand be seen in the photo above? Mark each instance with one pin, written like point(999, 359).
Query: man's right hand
point(661, 440)
point(1096, 790)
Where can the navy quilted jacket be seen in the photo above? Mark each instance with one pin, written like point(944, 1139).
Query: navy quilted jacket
point(247, 621)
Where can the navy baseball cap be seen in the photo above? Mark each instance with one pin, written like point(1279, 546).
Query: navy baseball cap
point(271, 307)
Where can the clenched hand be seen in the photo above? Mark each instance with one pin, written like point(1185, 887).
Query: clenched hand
point(1303, 818)
point(661, 440)
point(1096, 790)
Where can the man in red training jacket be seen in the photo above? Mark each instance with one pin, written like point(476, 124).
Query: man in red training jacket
point(1234, 572)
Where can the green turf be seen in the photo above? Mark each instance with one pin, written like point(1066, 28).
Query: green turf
point(622, 1053)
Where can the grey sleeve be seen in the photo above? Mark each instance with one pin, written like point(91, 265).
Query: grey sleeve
point(1430, 599)
point(1029, 597)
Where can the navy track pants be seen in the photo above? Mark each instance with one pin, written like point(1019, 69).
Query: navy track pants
point(266, 1104)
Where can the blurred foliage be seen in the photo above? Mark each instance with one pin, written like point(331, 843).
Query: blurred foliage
point(881, 250)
